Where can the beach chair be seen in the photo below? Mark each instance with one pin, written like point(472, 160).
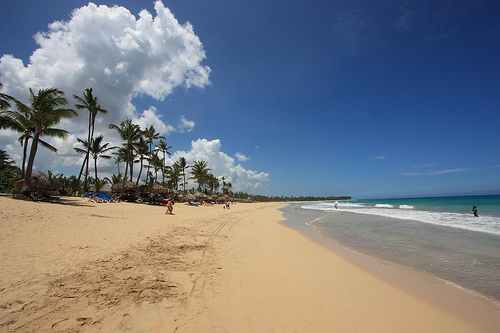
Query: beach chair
point(103, 197)
point(92, 197)
point(110, 198)
point(96, 197)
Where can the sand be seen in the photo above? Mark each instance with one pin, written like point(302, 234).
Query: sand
point(77, 266)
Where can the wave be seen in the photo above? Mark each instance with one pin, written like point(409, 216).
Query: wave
point(487, 224)
point(384, 206)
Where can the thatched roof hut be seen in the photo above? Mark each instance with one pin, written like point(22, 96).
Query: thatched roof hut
point(179, 196)
point(155, 188)
point(40, 183)
point(127, 187)
point(224, 197)
point(105, 188)
point(201, 196)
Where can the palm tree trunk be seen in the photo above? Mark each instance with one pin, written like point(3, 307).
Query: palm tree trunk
point(89, 143)
point(163, 169)
point(125, 178)
point(139, 177)
point(26, 190)
point(25, 152)
point(96, 179)
point(132, 170)
point(79, 176)
point(184, 184)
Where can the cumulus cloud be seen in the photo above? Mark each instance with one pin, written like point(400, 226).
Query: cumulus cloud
point(109, 49)
point(222, 165)
point(241, 157)
point(121, 57)
point(185, 125)
point(151, 117)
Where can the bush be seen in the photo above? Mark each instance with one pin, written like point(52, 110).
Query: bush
point(8, 177)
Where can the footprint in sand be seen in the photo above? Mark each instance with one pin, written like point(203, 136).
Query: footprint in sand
point(67, 324)
point(125, 322)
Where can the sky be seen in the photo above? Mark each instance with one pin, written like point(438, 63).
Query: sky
point(372, 99)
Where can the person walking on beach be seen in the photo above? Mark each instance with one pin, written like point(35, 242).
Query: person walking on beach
point(474, 210)
point(170, 207)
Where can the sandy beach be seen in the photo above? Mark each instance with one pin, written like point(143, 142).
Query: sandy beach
point(77, 266)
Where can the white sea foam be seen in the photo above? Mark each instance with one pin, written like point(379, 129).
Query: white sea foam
point(488, 224)
point(384, 206)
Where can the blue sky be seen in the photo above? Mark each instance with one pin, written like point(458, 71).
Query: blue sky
point(372, 99)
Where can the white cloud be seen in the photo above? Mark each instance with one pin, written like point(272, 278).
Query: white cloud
point(379, 157)
point(222, 164)
point(438, 172)
point(185, 125)
point(241, 157)
point(424, 166)
point(120, 56)
point(442, 172)
point(150, 117)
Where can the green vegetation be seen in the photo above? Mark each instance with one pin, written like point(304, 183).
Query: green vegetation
point(8, 173)
point(262, 198)
point(48, 107)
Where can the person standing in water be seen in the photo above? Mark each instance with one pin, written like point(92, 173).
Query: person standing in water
point(474, 210)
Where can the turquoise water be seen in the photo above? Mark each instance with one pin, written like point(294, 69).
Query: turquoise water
point(437, 235)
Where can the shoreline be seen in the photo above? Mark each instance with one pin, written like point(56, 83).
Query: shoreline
point(477, 308)
point(80, 266)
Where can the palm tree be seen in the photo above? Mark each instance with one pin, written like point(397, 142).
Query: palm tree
point(45, 110)
point(174, 175)
point(129, 133)
point(115, 179)
point(4, 101)
point(151, 135)
point(226, 186)
point(199, 172)
point(89, 102)
point(163, 147)
point(213, 183)
point(73, 183)
point(117, 161)
point(62, 181)
point(5, 162)
point(98, 150)
point(142, 149)
point(121, 156)
point(21, 122)
point(157, 164)
point(182, 165)
point(83, 151)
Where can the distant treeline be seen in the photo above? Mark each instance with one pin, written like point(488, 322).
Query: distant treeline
point(263, 198)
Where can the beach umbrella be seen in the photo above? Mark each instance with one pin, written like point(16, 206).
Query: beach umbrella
point(190, 196)
point(127, 187)
point(105, 188)
point(155, 188)
point(39, 182)
point(200, 196)
point(224, 197)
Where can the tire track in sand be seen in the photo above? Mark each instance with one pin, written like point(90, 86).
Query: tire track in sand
point(207, 269)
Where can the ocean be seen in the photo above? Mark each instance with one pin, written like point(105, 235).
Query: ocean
point(437, 235)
